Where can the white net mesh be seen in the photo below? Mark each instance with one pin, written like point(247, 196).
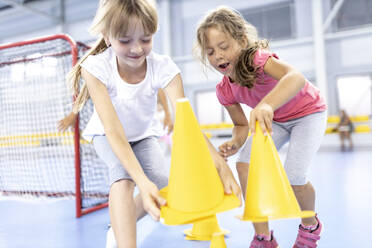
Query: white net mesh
point(36, 159)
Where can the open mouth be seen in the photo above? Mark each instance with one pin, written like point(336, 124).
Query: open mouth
point(135, 57)
point(223, 66)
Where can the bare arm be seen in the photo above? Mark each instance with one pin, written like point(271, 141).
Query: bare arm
point(120, 145)
point(239, 133)
point(174, 90)
point(290, 82)
point(167, 122)
point(163, 101)
point(240, 130)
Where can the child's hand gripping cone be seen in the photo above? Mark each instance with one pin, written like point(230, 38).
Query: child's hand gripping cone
point(269, 194)
point(195, 190)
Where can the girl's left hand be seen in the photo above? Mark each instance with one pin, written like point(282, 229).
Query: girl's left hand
point(151, 199)
point(263, 113)
point(228, 148)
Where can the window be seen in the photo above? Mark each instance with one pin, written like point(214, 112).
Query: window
point(273, 22)
point(354, 94)
point(208, 108)
point(353, 14)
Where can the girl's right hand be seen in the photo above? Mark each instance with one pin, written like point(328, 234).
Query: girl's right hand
point(228, 148)
point(152, 201)
point(263, 113)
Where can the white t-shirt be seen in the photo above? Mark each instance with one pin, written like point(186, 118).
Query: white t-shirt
point(135, 104)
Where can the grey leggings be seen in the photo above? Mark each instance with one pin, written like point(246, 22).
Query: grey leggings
point(147, 152)
point(304, 135)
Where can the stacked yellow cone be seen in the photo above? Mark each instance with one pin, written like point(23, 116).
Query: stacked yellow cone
point(203, 229)
point(269, 194)
point(218, 241)
point(195, 190)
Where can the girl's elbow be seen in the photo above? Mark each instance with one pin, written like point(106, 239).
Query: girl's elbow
point(299, 78)
point(111, 132)
point(302, 79)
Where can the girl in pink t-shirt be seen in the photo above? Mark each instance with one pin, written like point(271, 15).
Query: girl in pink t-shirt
point(284, 103)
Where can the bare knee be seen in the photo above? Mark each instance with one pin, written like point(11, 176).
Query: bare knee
point(242, 168)
point(303, 189)
point(123, 187)
point(299, 188)
point(305, 195)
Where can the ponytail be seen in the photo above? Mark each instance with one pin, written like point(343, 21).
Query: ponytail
point(74, 76)
point(245, 71)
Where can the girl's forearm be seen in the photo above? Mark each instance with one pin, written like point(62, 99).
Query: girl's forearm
point(126, 156)
point(239, 134)
point(163, 101)
point(287, 87)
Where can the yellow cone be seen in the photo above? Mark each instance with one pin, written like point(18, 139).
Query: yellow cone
point(269, 194)
point(218, 241)
point(204, 229)
point(195, 189)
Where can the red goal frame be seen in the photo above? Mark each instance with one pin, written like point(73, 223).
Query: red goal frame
point(74, 51)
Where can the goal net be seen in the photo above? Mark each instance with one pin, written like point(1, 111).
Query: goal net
point(35, 159)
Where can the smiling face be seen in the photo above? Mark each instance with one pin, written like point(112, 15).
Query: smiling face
point(221, 50)
point(131, 50)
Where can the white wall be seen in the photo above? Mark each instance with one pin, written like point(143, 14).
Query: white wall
point(348, 53)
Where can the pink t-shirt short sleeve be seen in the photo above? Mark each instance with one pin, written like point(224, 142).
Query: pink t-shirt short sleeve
point(224, 94)
point(307, 101)
point(260, 59)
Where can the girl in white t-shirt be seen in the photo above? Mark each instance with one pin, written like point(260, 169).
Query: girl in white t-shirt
point(122, 76)
point(70, 119)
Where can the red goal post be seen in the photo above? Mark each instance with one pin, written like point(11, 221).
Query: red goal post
point(36, 159)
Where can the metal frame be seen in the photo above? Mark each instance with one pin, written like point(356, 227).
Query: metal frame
point(336, 8)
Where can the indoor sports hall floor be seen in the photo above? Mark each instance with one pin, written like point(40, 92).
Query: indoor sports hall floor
point(344, 199)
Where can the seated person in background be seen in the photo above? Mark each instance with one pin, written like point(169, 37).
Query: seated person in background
point(345, 128)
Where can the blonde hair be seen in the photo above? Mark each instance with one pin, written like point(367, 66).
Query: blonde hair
point(232, 23)
point(112, 20)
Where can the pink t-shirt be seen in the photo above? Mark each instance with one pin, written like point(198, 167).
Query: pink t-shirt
point(307, 101)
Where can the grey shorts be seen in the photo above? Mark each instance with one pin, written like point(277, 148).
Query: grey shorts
point(304, 135)
point(147, 152)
